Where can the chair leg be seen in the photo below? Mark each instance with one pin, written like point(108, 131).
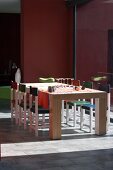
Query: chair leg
point(12, 105)
point(20, 116)
point(24, 119)
point(91, 119)
point(36, 124)
point(74, 116)
point(108, 119)
point(30, 121)
point(82, 113)
point(67, 113)
point(16, 112)
point(43, 120)
point(108, 110)
point(12, 111)
point(62, 112)
point(74, 109)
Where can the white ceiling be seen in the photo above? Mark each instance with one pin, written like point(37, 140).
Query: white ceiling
point(9, 6)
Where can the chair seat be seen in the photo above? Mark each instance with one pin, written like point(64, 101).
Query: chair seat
point(88, 106)
point(41, 110)
point(78, 103)
point(22, 105)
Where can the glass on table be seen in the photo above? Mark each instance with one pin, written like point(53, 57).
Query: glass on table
point(70, 81)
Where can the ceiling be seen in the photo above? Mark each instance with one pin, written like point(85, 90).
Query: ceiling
point(13, 6)
point(9, 6)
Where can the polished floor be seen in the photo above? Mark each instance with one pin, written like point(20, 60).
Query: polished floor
point(78, 150)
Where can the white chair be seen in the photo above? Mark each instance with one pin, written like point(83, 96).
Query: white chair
point(36, 111)
point(14, 101)
point(68, 81)
point(23, 105)
point(76, 106)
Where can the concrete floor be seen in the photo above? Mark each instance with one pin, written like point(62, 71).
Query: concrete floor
point(78, 150)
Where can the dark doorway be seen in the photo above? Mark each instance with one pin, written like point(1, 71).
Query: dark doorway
point(110, 57)
point(9, 45)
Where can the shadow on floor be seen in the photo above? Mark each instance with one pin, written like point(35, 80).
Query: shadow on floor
point(11, 133)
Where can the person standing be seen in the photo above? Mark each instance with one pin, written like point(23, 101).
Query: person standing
point(13, 71)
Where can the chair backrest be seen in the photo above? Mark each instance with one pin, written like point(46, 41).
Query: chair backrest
point(14, 85)
point(14, 88)
point(22, 94)
point(87, 84)
point(104, 87)
point(22, 88)
point(34, 91)
point(34, 97)
point(46, 80)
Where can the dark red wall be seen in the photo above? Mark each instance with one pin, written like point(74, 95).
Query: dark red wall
point(45, 39)
point(93, 22)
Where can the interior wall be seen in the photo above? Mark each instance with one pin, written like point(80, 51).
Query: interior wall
point(93, 22)
point(45, 39)
point(9, 41)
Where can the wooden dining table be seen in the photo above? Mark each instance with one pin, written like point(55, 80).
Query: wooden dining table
point(69, 93)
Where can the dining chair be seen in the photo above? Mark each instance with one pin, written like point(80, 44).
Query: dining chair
point(23, 105)
point(36, 112)
point(75, 83)
point(14, 101)
point(90, 108)
point(76, 105)
point(67, 81)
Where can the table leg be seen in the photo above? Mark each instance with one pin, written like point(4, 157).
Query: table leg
point(100, 115)
point(55, 117)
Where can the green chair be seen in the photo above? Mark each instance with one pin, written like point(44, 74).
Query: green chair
point(76, 105)
point(46, 80)
point(74, 83)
